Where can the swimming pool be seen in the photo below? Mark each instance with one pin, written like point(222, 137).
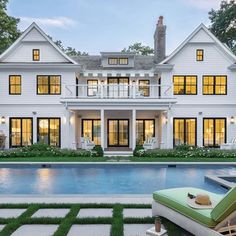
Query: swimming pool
point(107, 178)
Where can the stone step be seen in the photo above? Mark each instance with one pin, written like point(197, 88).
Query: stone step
point(118, 153)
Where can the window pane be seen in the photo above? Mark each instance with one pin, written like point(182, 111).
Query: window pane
point(43, 129)
point(15, 84)
point(97, 132)
point(92, 87)
point(220, 84)
point(26, 132)
point(208, 132)
point(43, 85)
point(123, 61)
point(178, 131)
point(36, 54)
point(190, 130)
point(149, 129)
point(112, 61)
point(55, 132)
point(55, 84)
point(15, 132)
point(200, 53)
point(191, 84)
point(178, 85)
point(219, 131)
point(144, 87)
point(140, 136)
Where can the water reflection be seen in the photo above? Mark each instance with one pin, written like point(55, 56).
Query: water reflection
point(44, 180)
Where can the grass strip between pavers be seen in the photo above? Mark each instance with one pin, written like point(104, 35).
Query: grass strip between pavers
point(116, 221)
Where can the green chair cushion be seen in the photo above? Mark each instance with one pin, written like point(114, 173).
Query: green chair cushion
point(225, 207)
point(176, 199)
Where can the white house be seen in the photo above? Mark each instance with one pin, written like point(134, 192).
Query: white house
point(118, 99)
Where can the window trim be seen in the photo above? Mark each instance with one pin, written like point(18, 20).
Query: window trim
point(185, 118)
point(198, 50)
point(126, 58)
point(48, 85)
point(112, 58)
point(143, 120)
point(10, 93)
point(10, 131)
point(49, 118)
point(214, 76)
point(33, 51)
point(192, 94)
point(214, 118)
point(143, 86)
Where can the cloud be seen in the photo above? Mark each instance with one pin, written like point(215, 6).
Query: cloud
point(203, 4)
point(59, 22)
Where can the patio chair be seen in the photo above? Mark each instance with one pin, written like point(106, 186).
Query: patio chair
point(86, 143)
point(230, 145)
point(150, 143)
point(172, 205)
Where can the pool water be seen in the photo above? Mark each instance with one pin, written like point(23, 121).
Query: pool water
point(107, 179)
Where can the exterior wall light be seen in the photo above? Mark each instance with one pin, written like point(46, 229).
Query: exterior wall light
point(232, 120)
point(2, 120)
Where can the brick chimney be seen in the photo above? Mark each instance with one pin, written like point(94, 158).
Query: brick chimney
point(160, 41)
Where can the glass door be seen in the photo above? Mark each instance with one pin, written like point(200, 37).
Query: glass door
point(118, 87)
point(118, 133)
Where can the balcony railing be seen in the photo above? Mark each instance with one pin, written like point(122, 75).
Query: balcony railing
point(121, 91)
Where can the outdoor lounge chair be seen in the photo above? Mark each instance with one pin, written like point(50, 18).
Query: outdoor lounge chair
point(150, 143)
point(86, 143)
point(171, 204)
point(230, 145)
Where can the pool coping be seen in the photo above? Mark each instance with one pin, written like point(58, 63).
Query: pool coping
point(218, 179)
point(119, 162)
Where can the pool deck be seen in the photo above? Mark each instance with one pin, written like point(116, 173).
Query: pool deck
point(78, 198)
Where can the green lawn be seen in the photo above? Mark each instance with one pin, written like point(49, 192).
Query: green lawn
point(65, 223)
point(115, 159)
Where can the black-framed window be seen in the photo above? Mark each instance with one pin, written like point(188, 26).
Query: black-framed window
point(112, 61)
point(144, 87)
point(214, 132)
point(48, 84)
point(91, 128)
point(214, 84)
point(15, 84)
point(36, 54)
point(49, 131)
point(118, 87)
point(199, 55)
point(185, 84)
point(145, 129)
point(92, 87)
point(185, 131)
point(21, 131)
point(123, 61)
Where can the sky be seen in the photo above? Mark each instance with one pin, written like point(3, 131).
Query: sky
point(95, 26)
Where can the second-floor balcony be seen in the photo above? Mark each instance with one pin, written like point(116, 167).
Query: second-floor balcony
point(117, 91)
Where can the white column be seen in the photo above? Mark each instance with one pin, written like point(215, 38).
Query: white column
point(169, 132)
point(102, 129)
point(133, 129)
point(67, 125)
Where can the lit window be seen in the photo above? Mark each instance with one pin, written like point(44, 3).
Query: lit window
point(185, 131)
point(214, 85)
point(36, 54)
point(144, 87)
point(199, 54)
point(112, 61)
point(15, 84)
point(92, 87)
point(145, 129)
point(123, 61)
point(185, 85)
point(92, 129)
point(214, 132)
point(48, 84)
point(49, 131)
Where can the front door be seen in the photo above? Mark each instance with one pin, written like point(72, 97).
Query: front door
point(118, 87)
point(118, 133)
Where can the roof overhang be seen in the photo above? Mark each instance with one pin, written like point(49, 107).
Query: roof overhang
point(232, 67)
point(163, 67)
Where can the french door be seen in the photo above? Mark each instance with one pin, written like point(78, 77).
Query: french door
point(118, 133)
point(118, 87)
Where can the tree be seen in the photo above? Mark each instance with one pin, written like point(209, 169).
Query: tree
point(138, 48)
point(223, 23)
point(8, 27)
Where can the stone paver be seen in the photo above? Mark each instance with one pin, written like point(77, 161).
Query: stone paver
point(50, 212)
point(90, 230)
point(136, 229)
point(98, 212)
point(137, 213)
point(11, 213)
point(35, 230)
point(1, 227)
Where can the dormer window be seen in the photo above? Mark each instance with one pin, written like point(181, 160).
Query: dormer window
point(112, 61)
point(199, 54)
point(36, 54)
point(123, 61)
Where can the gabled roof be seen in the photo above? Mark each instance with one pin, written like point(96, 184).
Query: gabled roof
point(188, 39)
point(25, 33)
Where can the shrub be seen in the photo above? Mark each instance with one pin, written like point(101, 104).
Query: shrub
point(97, 151)
point(139, 151)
